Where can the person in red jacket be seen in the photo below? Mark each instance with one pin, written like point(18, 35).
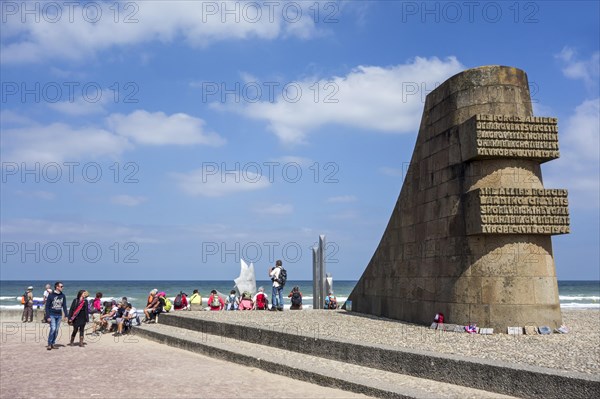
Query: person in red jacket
point(215, 302)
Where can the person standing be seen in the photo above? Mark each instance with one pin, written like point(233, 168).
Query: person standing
point(79, 316)
point(47, 292)
point(27, 306)
point(55, 306)
point(277, 295)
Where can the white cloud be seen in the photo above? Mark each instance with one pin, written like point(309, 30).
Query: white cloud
point(578, 169)
point(127, 200)
point(291, 159)
point(541, 109)
point(210, 182)
point(40, 229)
point(198, 23)
point(275, 209)
point(59, 142)
point(82, 106)
point(12, 118)
point(29, 141)
point(384, 99)
point(41, 194)
point(574, 68)
point(342, 199)
point(581, 137)
point(394, 172)
point(345, 215)
point(160, 129)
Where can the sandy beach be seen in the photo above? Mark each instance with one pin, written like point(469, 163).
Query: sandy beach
point(173, 372)
point(130, 367)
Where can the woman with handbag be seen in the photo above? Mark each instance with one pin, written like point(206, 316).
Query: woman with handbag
point(79, 316)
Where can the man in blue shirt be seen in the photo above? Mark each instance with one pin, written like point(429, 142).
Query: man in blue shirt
point(56, 304)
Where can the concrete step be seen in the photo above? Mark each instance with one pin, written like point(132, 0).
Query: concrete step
point(317, 370)
point(489, 375)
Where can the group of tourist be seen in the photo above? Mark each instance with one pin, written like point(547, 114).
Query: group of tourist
point(247, 301)
point(119, 316)
point(110, 316)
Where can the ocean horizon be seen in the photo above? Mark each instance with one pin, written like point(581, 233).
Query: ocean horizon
point(573, 294)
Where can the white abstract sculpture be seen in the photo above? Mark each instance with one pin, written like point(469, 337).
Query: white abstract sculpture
point(247, 279)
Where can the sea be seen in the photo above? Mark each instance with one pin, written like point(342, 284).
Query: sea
point(137, 291)
point(572, 294)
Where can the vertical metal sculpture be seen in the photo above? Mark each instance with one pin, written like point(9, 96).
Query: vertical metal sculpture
point(316, 274)
point(319, 272)
point(322, 269)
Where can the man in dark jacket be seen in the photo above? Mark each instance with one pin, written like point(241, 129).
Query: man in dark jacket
point(56, 304)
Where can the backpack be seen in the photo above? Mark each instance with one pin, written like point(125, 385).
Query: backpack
point(332, 303)
point(215, 303)
point(297, 299)
point(261, 301)
point(24, 299)
point(282, 276)
point(91, 308)
point(167, 306)
point(231, 305)
point(178, 301)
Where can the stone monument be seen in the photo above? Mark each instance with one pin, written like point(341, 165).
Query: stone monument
point(470, 234)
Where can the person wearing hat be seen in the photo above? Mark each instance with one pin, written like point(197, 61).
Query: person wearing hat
point(27, 302)
point(151, 306)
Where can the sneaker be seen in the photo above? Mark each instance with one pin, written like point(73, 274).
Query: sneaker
point(49, 347)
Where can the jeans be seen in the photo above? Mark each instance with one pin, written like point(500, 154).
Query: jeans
point(54, 328)
point(277, 297)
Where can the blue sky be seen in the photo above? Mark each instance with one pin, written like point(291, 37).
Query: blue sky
point(165, 140)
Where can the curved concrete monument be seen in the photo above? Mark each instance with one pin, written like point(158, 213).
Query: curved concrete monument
point(470, 233)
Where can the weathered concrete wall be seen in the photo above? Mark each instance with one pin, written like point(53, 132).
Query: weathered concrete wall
point(462, 239)
point(490, 375)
